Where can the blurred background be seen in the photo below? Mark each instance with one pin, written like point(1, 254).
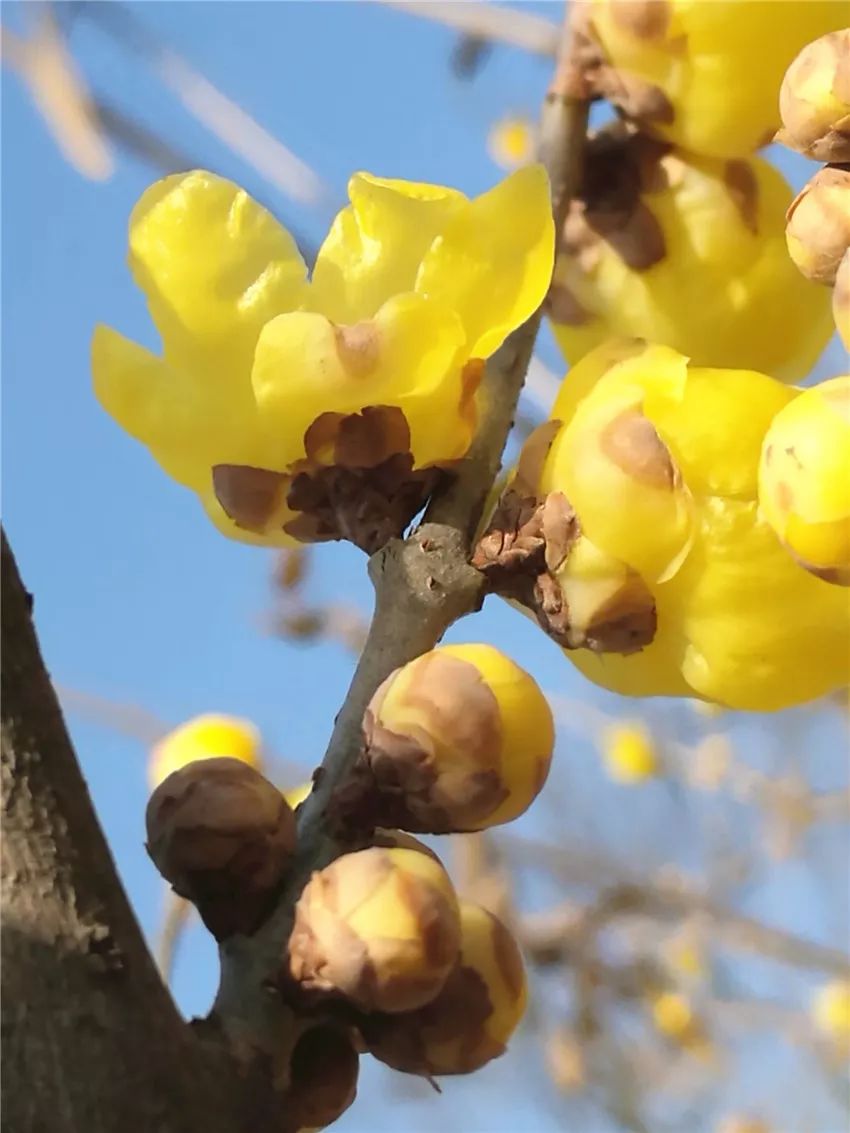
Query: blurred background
point(681, 887)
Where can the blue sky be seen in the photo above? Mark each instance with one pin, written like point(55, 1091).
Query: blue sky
point(137, 598)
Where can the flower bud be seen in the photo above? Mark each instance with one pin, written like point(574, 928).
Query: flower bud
point(818, 228)
point(223, 836)
point(814, 99)
point(646, 229)
point(704, 75)
point(205, 737)
point(841, 300)
point(804, 479)
point(470, 1021)
point(379, 927)
point(323, 1079)
point(623, 481)
point(459, 739)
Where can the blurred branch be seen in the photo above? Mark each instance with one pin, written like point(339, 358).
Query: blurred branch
point(208, 105)
point(47, 69)
point(554, 933)
point(176, 912)
point(139, 141)
point(486, 21)
point(125, 718)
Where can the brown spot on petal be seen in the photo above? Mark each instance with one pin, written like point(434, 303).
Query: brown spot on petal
point(631, 442)
point(507, 957)
point(742, 185)
point(626, 623)
point(647, 19)
point(358, 347)
point(638, 241)
point(471, 377)
point(249, 496)
point(562, 306)
point(784, 496)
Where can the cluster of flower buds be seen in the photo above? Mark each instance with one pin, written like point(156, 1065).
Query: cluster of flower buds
point(382, 956)
point(678, 231)
point(648, 528)
point(433, 985)
point(815, 105)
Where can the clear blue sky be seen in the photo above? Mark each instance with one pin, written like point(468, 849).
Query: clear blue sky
point(137, 598)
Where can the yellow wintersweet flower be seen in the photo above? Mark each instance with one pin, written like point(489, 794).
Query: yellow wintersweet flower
point(629, 754)
point(665, 578)
point(685, 250)
point(210, 736)
point(704, 75)
point(324, 408)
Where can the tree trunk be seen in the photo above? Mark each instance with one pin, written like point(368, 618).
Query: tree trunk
point(91, 1040)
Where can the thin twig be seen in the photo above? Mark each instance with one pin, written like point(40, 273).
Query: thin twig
point(524, 30)
point(176, 911)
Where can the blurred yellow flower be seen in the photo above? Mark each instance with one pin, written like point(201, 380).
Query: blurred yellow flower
point(511, 142)
point(209, 736)
point(831, 1011)
point(318, 409)
point(629, 754)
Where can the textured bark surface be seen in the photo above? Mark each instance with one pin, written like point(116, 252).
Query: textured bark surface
point(91, 1041)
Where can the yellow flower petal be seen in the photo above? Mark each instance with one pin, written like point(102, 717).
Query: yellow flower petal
point(214, 265)
point(408, 356)
point(493, 260)
point(376, 244)
point(188, 429)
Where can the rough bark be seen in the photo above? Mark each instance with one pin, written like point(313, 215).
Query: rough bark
point(91, 1040)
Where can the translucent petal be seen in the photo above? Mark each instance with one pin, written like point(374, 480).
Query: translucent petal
point(376, 244)
point(493, 261)
point(410, 356)
point(187, 429)
point(215, 267)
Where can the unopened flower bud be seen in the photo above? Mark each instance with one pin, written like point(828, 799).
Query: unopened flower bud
point(223, 836)
point(379, 927)
point(323, 1079)
point(470, 1021)
point(841, 300)
point(459, 739)
point(804, 479)
point(210, 736)
point(814, 99)
point(818, 224)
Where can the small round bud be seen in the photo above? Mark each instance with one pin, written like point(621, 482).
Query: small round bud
point(470, 1021)
point(841, 300)
point(223, 836)
point(804, 479)
point(814, 99)
point(818, 224)
point(379, 927)
point(459, 739)
point(205, 737)
point(323, 1079)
